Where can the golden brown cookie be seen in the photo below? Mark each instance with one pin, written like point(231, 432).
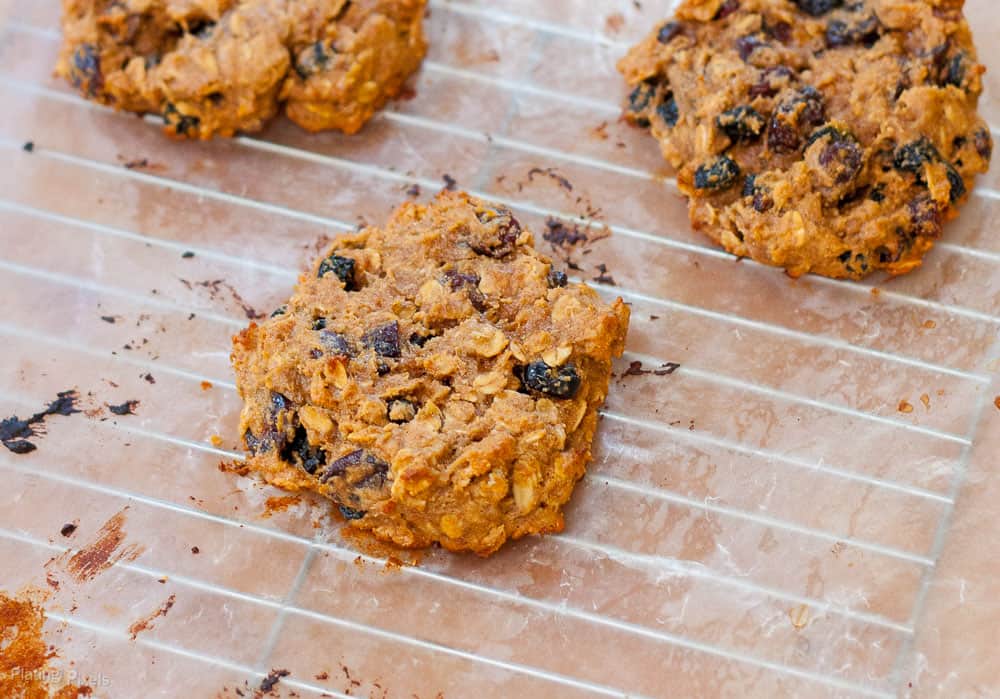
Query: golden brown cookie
point(215, 67)
point(825, 136)
point(436, 378)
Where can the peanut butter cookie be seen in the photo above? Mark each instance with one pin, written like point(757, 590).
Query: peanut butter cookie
point(436, 378)
point(825, 136)
point(215, 67)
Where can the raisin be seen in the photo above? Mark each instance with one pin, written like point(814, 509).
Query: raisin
point(854, 262)
point(877, 194)
point(314, 59)
point(669, 31)
point(342, 267)
point(803, 108)
point(782, 31)
point(501, 239)
point(957, 183)
point(319, 323)
point(201, 28)
point(376, 469)
point(925, 217)
point(558, 382)
point(303, 454)
point(983, 143)
point(741, 123)
point(555, 279)
point(668, 111)
point(839, 33)
point(954, 72)
point(640, 97)
point(728, 8)
point(782, 137)
point(470, 282)
point(762, 201)
point(85, 70)
point(279, 311)
point(183, 124)
point(350, 514)
point(420, 340)
point(746, 45)
point(255, 445)
point(913, 156)
point(336, 343)
point(401, 410)
point(384, 340)
point(720, 174)
point(842, 156)
point(771, 81)
point(817, 8)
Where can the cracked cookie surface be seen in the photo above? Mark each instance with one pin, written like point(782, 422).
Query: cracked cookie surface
point(216, 67)
point(436, 378)
point(825, 136)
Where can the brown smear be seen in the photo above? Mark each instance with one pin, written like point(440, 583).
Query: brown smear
point(215, 287)
point(146, 623)
point(279, 504)
point(104, 552)
point(24, 662)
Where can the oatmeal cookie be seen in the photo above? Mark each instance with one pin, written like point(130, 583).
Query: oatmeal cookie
point(825, 136)
point(436, 378)
point(215, 67)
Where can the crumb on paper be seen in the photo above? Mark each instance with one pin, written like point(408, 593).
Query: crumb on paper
point(148, 378)
point(187, 254)
point(926, 400)
point(450, 183)
point(996, 402)
point(126, 408)
point(799, 616)
point(146, 623)
point(105, 551)
point(69, 529)
point(603, 277)
point(929, 325)
point(195, 550)
point(215, 288)
point(206, 385)
point(216, 440)
point(28, 147)
point(601, 131)
point(15, 432)
point(552, 174)
point(413, 190)
point(876, 291)
point(614, 22)
point(272, 679)
point(905, 406)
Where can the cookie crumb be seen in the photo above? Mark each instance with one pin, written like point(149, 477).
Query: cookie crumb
point(68, 529)
point(926, 400)
point(206, 385)
point(216, 440)
point(28, 147)
point(449, 182)
point(273, 678)
point(195, 550)
point(905, 407)
point(109, 319)
point(996, 402)
point(187, 254)
point(126, 408)
point(929, 325)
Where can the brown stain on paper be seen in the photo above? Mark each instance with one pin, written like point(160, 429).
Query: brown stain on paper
point(104, 552)
point(24, 663)
point(146, 623)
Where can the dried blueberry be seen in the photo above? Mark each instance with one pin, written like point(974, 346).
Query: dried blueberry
point(555, 278)
point(279, 311)
point(746, 45)
point(741, 123)
point(983, 143)
point(336, 343)
point(314, 59)
point(183, 124)
point(401, 410)
point(558, 382)
point(956, 182)
point(719, 174)
point(668, 31)
point(668, 111)
point(342, 267)
point(925, 217)
point(841, 156)
point(299, 452)
point(817, 8)
point(350, 514)
point(384, 340)
point(85, 70)
point(913, 156)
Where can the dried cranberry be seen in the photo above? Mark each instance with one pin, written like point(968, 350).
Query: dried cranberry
point(384, 340)
point(558, 382)
point(741, 124)
point(817, 8)
point(719, 174)
point(342, 267)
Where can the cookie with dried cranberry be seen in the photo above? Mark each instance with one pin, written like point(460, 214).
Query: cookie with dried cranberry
point(216, 67)
point(435, 378)
point(825, 136)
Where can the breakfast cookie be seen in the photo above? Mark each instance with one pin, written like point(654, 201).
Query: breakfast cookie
point(825, 136)
point(215, 67)
point(437, 379)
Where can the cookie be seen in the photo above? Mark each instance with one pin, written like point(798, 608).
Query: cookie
point(820, 136)
point(436, 378)
point(215, 67)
